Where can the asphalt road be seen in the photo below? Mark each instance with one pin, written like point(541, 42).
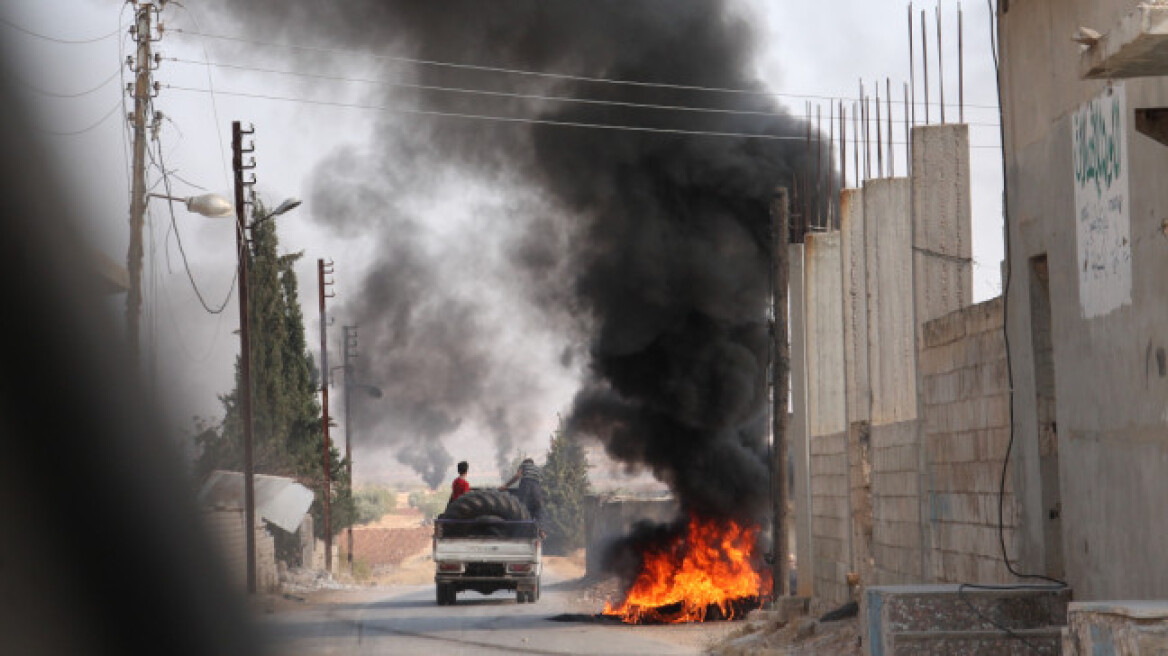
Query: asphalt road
point(405, 620)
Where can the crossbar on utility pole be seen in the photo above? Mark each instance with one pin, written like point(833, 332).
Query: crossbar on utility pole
point(780, 243)
point(241, 252)
point(322, 269)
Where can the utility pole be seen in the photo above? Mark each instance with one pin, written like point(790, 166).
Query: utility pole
point(243, 254)
point(350, 356)
point(143, 35)
point(321, 269)
point(780, 243)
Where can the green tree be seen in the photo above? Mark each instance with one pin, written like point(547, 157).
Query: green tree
point(566, 486)
point(288, 439)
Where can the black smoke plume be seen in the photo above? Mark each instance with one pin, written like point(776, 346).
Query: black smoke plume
point(649, 249)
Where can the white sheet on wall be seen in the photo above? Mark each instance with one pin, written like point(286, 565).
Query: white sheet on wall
point(1099, 134)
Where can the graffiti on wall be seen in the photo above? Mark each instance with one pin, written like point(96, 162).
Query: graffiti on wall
point(1102, 212)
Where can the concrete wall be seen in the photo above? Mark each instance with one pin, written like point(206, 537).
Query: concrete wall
point(226, 528)
point(1109, 382)
point(797, 429)
point(826, 383)
point(891, 338)
point(941, 211)
point(967, 419)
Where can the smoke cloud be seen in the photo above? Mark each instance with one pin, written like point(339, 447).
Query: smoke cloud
point(642, 256)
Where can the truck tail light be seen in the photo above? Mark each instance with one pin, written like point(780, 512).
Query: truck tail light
point(519, 568)
point(455, 568)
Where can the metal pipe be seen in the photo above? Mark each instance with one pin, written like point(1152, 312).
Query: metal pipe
point(807, 200)
point(843, 119)
point(960, 65)
point(940, 64)
point(925, 60)
point(856, 142)
point(879, 137)
point(888, 106)
point(912, 65)
point(818, 166)
point(830, 172)
point(907, 138)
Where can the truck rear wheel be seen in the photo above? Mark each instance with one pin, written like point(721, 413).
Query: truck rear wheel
point(445, 594)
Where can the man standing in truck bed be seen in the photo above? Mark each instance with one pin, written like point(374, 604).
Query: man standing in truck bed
point(530, 490)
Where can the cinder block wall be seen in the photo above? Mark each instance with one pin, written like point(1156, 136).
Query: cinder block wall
point(966, 422)
point(896, 499)
point(830, 525)
point(226, 528)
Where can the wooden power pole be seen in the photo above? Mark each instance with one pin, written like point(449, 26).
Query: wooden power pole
point(242, 255)
point(321, 269)
point(780, 236)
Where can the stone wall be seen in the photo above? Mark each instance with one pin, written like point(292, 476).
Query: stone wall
point(966, 422)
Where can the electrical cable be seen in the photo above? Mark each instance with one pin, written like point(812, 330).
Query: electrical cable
point(182, 250)
point(1053, 584)
point(94, 125)
point(54, 39)
point(529, 73)
point(53, 94)
point(509, 119)
point(211, 90)
point(496, 94)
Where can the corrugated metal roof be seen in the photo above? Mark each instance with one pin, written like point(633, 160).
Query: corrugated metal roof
point(281, 501)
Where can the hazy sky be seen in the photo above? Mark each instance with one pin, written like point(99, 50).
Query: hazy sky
point(811, 49)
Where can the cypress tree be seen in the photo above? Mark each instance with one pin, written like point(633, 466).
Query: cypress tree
point(566, 487)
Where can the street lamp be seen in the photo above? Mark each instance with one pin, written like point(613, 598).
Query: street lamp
point(211, 205)
point(288, 205)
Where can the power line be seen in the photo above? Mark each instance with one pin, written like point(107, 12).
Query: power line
point(503, 119)
point(54, 39)
point(211, 88)
point(73, 133)
point(495, 94)
point(529, 73)
point(509, 119)
point(53, 94)
point(182, 251)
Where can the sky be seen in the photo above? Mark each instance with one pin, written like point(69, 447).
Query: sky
point(75, 93)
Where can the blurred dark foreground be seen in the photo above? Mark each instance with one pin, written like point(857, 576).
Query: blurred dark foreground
point(101, 550)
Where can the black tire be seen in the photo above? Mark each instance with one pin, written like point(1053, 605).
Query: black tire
point(535, 593)
point(451, 595)
point(487, 503)
point(440, 594)
point(521, 597)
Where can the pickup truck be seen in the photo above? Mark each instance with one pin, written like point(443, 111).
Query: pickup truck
point(486, 555)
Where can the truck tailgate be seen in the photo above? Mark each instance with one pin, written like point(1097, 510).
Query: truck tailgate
point(484, 550)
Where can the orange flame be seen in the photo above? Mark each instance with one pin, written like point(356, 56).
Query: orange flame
point(709, 566)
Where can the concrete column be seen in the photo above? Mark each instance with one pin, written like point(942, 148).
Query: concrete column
point(891, 334)
point(941, 211)
point(859, 389)
point(797, 429)
point(826, 382)
point(855, 304)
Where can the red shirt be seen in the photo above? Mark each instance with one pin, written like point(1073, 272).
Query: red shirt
point(461, 486)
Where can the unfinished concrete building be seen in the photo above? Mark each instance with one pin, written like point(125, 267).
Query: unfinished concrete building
point(903, 412)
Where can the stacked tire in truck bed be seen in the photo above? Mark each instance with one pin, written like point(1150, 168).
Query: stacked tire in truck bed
point(489, 508)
